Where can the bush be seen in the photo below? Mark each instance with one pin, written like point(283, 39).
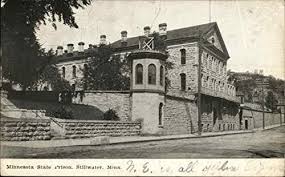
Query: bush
point(63, 113)
point(110, 115)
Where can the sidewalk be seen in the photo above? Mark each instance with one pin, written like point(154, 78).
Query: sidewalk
point(105, 140)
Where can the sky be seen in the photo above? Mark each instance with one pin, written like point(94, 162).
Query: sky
point(253, 31)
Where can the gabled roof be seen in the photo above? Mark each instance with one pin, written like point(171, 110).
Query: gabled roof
point(178, 36)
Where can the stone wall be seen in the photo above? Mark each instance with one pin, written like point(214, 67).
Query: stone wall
point(180, 116)
point(13, 129)
point(226, 114)
point(256, 119)
point(87, 129)
point(189, 69)
point(105, 100)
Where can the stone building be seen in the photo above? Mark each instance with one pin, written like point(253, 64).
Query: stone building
point(173, 110)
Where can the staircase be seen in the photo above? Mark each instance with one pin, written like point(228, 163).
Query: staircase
point(8, 109)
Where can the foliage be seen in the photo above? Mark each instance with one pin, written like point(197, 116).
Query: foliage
point(247, 88)
point(271, 101)
point(106, 71)
point(63, 113)
point(50, 75)
point(159, 42)
point(111, 115)
point(21, 51)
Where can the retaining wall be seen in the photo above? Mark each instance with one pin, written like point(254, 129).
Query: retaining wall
point(105, 100)
point(87, 129)
point(13, 129)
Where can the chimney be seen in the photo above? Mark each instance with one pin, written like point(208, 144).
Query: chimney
point(103, 40)
point(146, 31)
point(70, 48)
point(81, 47)
point(162, 28)
point(124, 36)
point(59, 51)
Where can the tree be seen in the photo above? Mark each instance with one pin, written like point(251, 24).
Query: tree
point(271, 101)
point(106, 71)
point(19, 20)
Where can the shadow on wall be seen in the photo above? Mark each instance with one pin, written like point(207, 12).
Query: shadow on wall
point(79, 112)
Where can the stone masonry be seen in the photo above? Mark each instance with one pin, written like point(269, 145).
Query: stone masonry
point(105, 100)
point(15, 129)
point(87, 129)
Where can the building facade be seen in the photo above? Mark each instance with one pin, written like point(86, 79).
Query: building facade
point(197, 55)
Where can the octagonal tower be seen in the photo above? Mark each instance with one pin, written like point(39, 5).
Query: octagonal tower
point(148, 89)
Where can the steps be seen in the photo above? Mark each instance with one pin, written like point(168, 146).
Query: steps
point(8, 109)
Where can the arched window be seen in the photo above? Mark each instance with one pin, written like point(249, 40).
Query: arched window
point(63, 72)
point(139, 74)
point(73, 71)
point(183, 81)
point(161, 73)
point(160, 114)
point(151, 74)
point(183, 56)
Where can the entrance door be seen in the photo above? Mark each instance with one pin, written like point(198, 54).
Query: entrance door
point(246, 124)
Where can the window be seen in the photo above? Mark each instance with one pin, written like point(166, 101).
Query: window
point(139, 74)
point(73, 87)
point(183, 56)
point(183, 81)
point(207, 82)
point(161, 73)
point(73, 71)
point(63, 72)
point(151, 74)
point(160, 114)
point(85, 71)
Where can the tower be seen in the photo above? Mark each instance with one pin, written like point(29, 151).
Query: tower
point(148, 89)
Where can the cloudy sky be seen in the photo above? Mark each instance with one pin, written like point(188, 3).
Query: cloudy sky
point(253, 31)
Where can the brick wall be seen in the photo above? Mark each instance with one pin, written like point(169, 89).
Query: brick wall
point(180, 116)
point(13, 129)
point(104, 100)
point(87, 129)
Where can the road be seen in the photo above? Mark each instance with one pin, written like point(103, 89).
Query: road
point(262, 144)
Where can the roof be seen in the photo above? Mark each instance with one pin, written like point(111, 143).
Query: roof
point(175, 36)
point(192, 31)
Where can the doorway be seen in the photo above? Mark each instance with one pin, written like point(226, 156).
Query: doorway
point(246, 124)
